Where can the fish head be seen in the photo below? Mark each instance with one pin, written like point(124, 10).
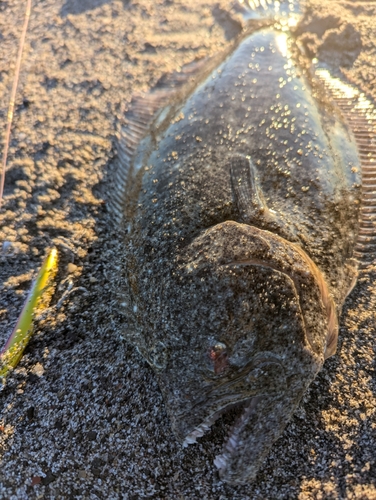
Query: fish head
point(253, 320)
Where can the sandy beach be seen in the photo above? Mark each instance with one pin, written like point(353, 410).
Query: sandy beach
point(82, 416)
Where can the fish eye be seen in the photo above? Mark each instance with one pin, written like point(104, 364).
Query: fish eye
point(218, 357)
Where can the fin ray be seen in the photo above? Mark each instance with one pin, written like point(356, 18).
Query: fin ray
point(136, 120)
point(360, 113)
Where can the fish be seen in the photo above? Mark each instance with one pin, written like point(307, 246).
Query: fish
point(244, 198)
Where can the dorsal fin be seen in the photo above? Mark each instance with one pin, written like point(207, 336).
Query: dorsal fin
point(360, 113)
point(136, 120)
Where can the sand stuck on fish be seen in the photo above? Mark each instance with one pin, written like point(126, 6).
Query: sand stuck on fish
point(82, 415)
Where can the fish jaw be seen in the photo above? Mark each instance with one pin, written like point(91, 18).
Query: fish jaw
point(262, 421)
point(260, 425)
point(264, 374)
point(268, 391)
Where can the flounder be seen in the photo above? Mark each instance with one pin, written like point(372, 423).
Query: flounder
point(239, 186)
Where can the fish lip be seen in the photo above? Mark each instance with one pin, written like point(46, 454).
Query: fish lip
point(230, 396)
point(259, 359)
point(249, 403)
point(223, 461)
point(205, 426)
point(229, 447)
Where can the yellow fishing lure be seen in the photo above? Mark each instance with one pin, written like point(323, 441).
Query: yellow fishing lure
point(38, 299)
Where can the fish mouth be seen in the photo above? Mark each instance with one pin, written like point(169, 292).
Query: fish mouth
point(206, 426)
point(231, 445)
point(263, 417)
point(233, 442)
point(264, 380)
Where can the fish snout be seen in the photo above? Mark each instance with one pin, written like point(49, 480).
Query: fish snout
point(261, 423)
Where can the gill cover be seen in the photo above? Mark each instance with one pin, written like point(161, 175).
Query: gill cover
point(234, 244)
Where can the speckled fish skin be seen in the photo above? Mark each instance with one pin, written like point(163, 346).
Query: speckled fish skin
point(242, 223)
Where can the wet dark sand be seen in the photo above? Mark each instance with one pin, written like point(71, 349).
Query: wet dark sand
point(82, 416)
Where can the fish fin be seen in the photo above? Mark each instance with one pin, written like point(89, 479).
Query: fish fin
point(360, 113)
point(136, 120)
point(250, 201)
point(246, 190)
point(331, 343)
point(287, 12)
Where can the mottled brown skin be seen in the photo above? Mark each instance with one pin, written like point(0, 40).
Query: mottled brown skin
point(261, 275)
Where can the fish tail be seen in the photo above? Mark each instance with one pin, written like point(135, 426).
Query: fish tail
point(286, 12)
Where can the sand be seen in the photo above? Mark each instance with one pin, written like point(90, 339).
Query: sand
point(82, 415)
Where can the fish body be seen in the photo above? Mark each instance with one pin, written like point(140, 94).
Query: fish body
point(242, 201)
